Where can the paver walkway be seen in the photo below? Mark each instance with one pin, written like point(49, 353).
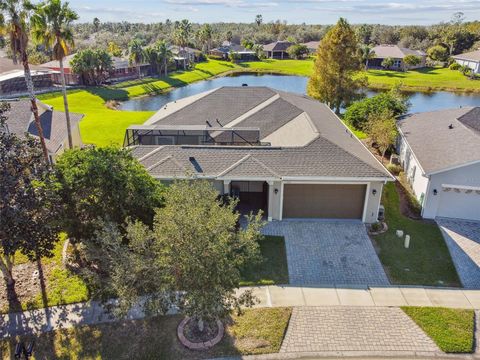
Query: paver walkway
point(463, 241)
point(327, 329)
point(329, 253)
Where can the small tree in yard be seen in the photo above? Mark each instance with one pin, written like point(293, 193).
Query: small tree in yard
point(297, 51)
point(438, 53)
point(412, 60)
point(388, 62)
point(382, 130)
point(28, 207)
point(194, 253)
point(103, 184)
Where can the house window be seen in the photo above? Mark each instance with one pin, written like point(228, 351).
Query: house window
point(397, 63)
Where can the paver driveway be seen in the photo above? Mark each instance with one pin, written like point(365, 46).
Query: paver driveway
point(328, 329)
point(463, 241)
point(329, 253)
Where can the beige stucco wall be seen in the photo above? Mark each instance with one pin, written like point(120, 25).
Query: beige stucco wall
point(373, 202)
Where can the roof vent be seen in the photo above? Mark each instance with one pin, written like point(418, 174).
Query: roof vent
point(450, 126)
point(208, 123)
point(218, 122)
point(195, 164)
point(244, 84)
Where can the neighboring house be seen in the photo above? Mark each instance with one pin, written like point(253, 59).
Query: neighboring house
point(286, 154)
point(12, 78)
point(277, 49)
point(312, 46)
point(470, 59)
point(382, 52)
point(440, 152)
point(122, 70)
point(187, 54)
point(54, 125)
point(224, 51)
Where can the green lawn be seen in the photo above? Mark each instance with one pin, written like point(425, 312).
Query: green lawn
point(427, 79)
point(61, 285)
point(426, 262)
point(273, 269)
point(451, 329)
point(257, 331)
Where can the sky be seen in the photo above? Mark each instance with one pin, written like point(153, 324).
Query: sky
point(293, 11)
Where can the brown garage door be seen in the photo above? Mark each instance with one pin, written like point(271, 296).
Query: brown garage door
point(323, 201)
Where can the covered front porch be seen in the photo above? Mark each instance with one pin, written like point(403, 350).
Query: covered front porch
point(255, 196)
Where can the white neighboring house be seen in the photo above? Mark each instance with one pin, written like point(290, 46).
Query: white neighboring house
point(470, 59)
point(440, 152)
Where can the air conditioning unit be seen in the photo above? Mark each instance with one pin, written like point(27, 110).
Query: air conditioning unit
point(381, 213)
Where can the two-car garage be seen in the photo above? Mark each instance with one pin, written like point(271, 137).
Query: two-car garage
point(329, 201)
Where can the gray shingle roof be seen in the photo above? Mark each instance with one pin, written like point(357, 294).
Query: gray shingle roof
point(54, 125)
point(277, 46)
point(334, 152)
point(472, 56)
point(394, 51)
point(224, 104)
point(439, 147)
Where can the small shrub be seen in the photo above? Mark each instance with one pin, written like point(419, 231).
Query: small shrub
point(394, 169)
point(454, 66)
point(376, 227)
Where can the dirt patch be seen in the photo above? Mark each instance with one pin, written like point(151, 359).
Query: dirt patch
point(406, 207)
point(193, 334)
point(28, 286)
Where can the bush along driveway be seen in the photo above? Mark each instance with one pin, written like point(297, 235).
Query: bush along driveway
point(426, 262)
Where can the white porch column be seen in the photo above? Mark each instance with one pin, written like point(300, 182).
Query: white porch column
point(226, 187)
point(271, 195)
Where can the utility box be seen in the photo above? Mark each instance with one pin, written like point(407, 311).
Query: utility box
point(381, 213)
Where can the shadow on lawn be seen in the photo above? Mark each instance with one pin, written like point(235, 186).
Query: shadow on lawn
point(108, 93)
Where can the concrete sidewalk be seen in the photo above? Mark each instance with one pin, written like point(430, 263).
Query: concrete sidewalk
point(366, 296)
point(66, 316)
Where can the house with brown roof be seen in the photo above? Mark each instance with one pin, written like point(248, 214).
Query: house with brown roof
point(397, 53)
point(470, 59)
point(312, 46)
point(277, 50)
point(54, 125)
point(283, 153)
point(440, 152)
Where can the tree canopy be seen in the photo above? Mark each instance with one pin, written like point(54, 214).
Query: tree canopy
point(93, 66)
point(334, 79)
point(103, 184)
point(358, 113)
point(28, 203)
point(191, 257)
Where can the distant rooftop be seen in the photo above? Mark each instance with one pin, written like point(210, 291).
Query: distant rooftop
point(394, 51)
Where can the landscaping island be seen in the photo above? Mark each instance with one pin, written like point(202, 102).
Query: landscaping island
point(104, 125)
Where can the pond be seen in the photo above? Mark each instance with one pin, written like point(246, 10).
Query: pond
point(297, 84)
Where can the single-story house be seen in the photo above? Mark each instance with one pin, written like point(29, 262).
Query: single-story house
point(440, 152)
point(122, 70)
point(277, 49)
point(284, 153)
point(382, 52)
point(12, 78)
point(470, 59)
point(312, 46)
point(224, 51)
point(20, 121)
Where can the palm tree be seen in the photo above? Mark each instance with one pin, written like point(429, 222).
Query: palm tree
point(181, 37)
point(51, 25)
point(96, 24)
point(136, 54)
point(366, 53)
point(163, 54)
point(205, 36)
point(14, 22)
